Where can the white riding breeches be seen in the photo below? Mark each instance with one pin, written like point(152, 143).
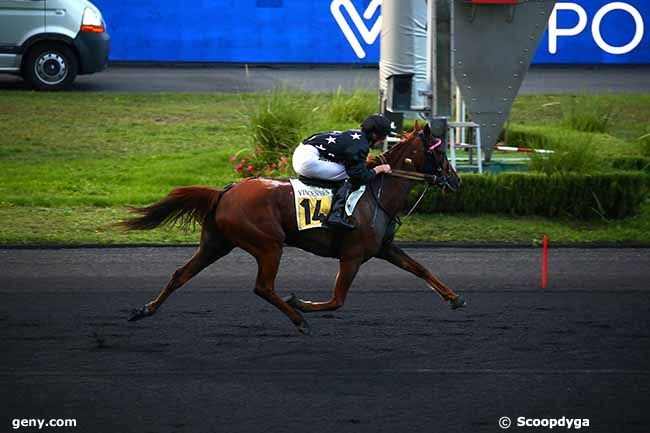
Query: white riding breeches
point(307, 162)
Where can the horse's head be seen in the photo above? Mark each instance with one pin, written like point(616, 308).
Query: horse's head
point(436, 162)
point(421, 151)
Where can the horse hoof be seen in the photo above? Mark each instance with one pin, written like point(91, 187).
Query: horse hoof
point(296, 303)
point(139, 314)
point(304, 328)
point(292, 300)
point(457, 303)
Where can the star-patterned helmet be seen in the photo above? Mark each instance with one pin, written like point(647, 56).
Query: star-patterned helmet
point(378, 124)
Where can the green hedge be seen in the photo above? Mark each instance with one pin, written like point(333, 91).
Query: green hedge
point(582, 196)
point(631, 163)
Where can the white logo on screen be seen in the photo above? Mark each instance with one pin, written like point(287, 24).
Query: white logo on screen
point(369, 35)
point(554, 32)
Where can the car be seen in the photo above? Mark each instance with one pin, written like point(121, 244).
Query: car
point(50, 42)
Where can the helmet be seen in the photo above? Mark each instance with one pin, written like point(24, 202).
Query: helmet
point(377, 123)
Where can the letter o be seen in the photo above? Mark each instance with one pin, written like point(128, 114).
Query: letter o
point(638, 21)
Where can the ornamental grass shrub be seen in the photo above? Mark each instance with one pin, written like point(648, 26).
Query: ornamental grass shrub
point(276, 127)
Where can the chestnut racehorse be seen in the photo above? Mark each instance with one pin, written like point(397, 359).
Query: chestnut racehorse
point(258, 215)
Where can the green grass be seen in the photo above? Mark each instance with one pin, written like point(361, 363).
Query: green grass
point(79, 225)
point(553, 136)
point(71, 162)
point(104, 150)
point(630, 113)
point(110, 182)
point(587, 113)
point(92, 225)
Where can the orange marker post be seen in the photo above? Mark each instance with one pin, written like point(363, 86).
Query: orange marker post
point(545, 262)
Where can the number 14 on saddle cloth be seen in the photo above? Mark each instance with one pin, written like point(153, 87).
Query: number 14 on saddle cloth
point(313, 203)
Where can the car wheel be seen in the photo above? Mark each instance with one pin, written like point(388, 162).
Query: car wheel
point(50, 67)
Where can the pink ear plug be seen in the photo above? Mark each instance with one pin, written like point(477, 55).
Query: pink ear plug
point(436, 144)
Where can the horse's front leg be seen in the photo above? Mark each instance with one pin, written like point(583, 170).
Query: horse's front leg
point(396, 256)
point(347, 271)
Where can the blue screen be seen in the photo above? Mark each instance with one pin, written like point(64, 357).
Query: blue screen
point(308, 31)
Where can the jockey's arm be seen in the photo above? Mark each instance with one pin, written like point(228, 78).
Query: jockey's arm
point(372, 164)
point(355, 157)
point(358, 172)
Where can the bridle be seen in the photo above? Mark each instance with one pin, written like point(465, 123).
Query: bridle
point(441, 181)
point(431, 179)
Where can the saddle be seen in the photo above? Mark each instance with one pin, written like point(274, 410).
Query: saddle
point(320, 183)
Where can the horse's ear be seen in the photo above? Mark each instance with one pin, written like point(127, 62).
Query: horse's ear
point(427, 130)
point(416, 127)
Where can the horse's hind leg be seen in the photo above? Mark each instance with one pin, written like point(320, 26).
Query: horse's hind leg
point(203, 257)
point(268, 262)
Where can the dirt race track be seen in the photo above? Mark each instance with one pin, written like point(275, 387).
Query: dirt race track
point(395, 359)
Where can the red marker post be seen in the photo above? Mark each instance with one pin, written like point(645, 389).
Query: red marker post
point(544, 262)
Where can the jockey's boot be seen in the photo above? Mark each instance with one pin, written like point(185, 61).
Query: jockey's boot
point(337, 218)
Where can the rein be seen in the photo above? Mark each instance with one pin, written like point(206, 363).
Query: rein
point(417, 202)
point(377, 198)
point(414, 175)
point(395, 218)
point(407, 174)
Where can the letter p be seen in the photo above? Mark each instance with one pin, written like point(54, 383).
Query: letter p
point(554, 32)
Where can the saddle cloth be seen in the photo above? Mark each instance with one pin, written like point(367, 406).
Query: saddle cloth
point(313, 204)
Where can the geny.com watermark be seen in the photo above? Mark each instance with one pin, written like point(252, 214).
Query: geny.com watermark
point(550, 423)
point(41, 423)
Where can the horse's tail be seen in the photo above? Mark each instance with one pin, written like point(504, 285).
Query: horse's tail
point(182, 205)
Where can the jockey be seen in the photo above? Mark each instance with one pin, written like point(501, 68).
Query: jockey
point(341, 156)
